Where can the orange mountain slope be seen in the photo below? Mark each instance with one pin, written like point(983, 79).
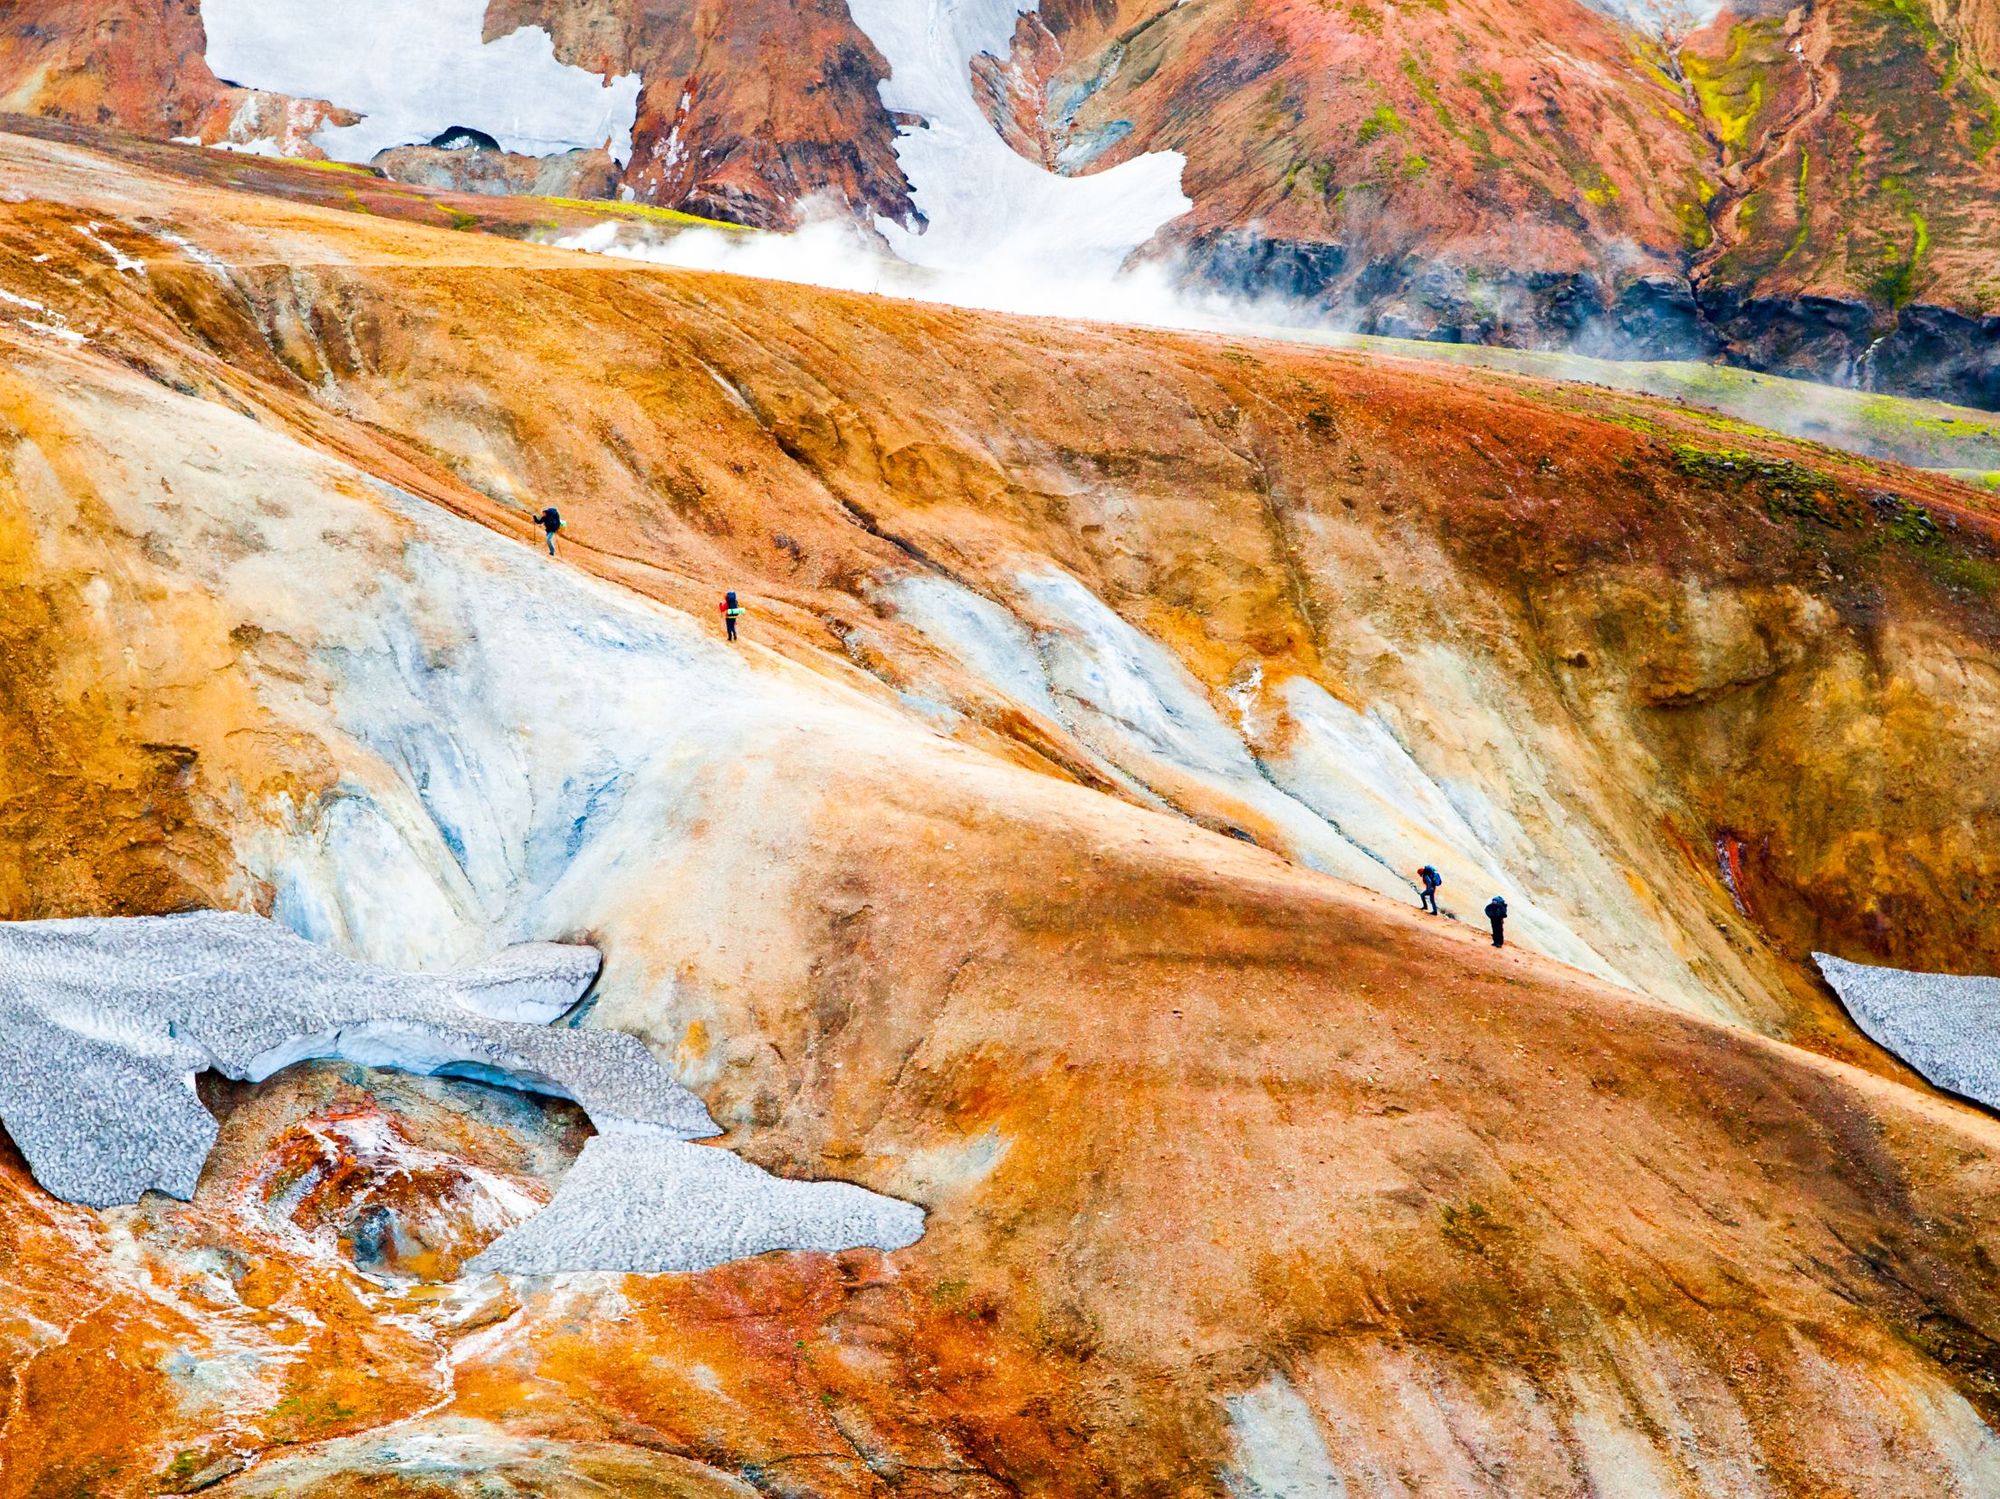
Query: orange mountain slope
point(1241, 1174)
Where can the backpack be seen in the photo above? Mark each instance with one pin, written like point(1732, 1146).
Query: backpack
point(550, 520)
point(1431, 878)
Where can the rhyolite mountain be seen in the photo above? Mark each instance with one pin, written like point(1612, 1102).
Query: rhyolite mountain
point(1809, 190)
point(1039, 858)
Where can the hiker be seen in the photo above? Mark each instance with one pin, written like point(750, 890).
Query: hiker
point(1496, 912)
point(1430, 880)
point(550, 522)
point(731, 612)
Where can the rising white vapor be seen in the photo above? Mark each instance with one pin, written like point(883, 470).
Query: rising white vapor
point(829, 251)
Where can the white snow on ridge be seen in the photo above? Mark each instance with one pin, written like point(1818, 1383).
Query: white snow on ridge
point(1669, 18)
point(985, 205)
point(415, 68)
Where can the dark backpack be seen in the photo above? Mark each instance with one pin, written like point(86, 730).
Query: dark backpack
point(550, 520)
point(1430, 877)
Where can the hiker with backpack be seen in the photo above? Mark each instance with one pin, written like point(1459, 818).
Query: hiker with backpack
point(731, 612)
point(550, 522)
point(1430, 879)
point(1496, 912)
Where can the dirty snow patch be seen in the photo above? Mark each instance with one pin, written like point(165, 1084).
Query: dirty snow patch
point(635, 1201)
point(1942, 1024)
point(103, 1024)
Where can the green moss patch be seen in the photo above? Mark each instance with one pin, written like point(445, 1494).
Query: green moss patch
point(1385, 121)
point(648, 212)
point(1788, 490)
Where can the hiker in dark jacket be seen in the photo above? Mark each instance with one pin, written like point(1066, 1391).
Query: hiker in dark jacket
point(1430, 879)
point(1496, 912)
point(731, 612)
point(550, 522)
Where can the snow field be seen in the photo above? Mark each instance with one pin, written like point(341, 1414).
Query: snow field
point(1942, 1024)
point(985, 206)
point(413, 71)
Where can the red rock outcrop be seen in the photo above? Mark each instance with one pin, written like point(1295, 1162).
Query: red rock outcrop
point(747, 111)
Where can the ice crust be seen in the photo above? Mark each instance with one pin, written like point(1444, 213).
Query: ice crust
point(1942, 1024)
point(105, 1022)
point(628, 1181)
point(413, 71)
point(983, 204)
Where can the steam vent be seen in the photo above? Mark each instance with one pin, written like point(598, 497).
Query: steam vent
point(962, 751)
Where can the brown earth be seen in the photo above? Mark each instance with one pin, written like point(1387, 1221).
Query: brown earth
point(1232, 1168)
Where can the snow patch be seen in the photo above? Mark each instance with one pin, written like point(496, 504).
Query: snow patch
point(413, 71)
point(1656, 18)
point(982, 203)
point(1942, 1024)
point(194, 252)
point(263, 145)
point(50, 324)
point(634, 1201)
point(103, 1024)
point(121, 260)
